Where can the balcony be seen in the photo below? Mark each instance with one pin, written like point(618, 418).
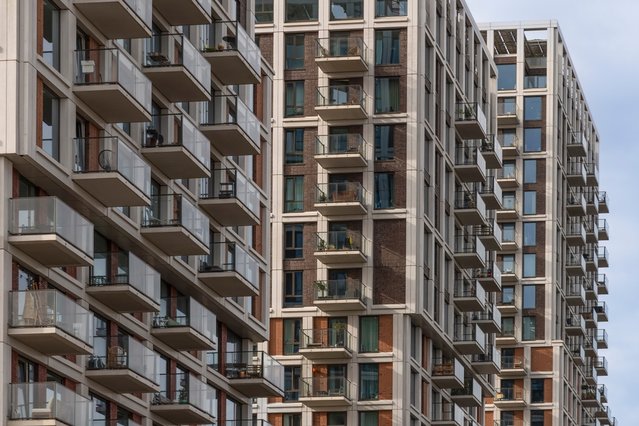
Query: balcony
point(111, 172)
point(509, 399)
point(602, 339)
point(174, 145)
point(489, 319)
point(592, 233)
point(46, 403)
point(231, 127)
point(577, 145)
point(602, 230)
point(189, 12)
point(49, 231)
point(491, 193)
point(337, 247)
point(176, 68)
point(590, 285)
point(185, 325)
point(469, 339)
point(603, 202)
point(575, 292)
point(507, 337)
point(318, 392)
point(510, 210)
point(601, 366)
point(340, 150)
point(576, 204)
point(109, 83)
point(601, 309)
point(469, 252)
point(510, 240)
point(233, 55)
point(592, 201)
point(340, 199)
point(507, 112)
point(590, 374)
point(341, 54)
point(592, 258)
point(470, 166)
point(176, 226)
point(50, 322)
point(603, 393)
point(589, 348)
point(469, 296)
point(590, 397)
point(469, 208)
point(578, 353)
point(603, 414)
point(513, 366)
point(194, 402)
point(448, 374)
point(508, 271)
point(491, 150)
point(507, 176)
point(589, 315)
point(489, 277)
point(130, 286)
point(575, 265)
point(576, 234)
point(488, 362)
point(470, 120)
point(230, 198)
point(468, 396)
point(592, 174)
point(576, 173)
point(118, 18)
point(489, 234)
point(123, 364)
point(575, 325)
point(447, 414)
point(326, 344)
point(602, 284)
point(230, 270)
point(339, 295)
point(511, 149)
point(341, 102)
point(255, 374)
point(602, 257)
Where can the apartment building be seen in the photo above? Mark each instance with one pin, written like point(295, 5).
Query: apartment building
point(552, 302)
point(385, 201)
point(134, 241)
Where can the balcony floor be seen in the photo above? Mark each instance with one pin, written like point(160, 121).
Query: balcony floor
point(176, 162)
point(470, 129)
point(341, 208)
point(470, 216)
point(111, 189)
point(485, 367)
point(123, 298)
point(448, 382)
point(325, 401)
point(469, 347)
point(50, 340)
point(112, 103)
point(330, 257)
point(50, 250)
point(469, 260)
point(325, 353)
point(177, 84)
point(122, 380)
point(470, 173)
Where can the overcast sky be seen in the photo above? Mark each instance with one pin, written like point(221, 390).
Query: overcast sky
point(601, 37)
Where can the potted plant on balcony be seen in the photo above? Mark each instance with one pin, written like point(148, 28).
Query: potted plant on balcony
point(322, 290)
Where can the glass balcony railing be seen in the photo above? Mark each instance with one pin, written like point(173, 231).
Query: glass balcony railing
point(535, 81)
point(189, 390)
point(230, 36)
point(322, 387)
point(349, 143)
point(509, 394)
point(50, 308)
point(340, 47)
point(507, 108)
point(339, 241)
point(470, 111)
point(226, 183)
point(326, 338)
point(41, 401)
point(175, 210)
point(228, 256)
point(123, 352)
point(188, 313)
point(129, 270)
point(230, 109)
point(509, 362)
point(340, 192)
point(469, 155)
point(340, 289)
point(142, 8)
point(248, 365)
point(447, 413)
point(341, 95)
point(170, 130)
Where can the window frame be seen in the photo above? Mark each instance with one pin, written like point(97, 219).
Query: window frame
point(393, 90)
point(294, 145)
point(293, 282)
point(369, 386)
point(294, 202)
point(292, 89)
point(292, 45)
point(302, 6)
point(387, 39)
point(296, 230)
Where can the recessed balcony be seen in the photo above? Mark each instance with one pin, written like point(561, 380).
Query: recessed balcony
point(576, 204)
point(576, 173)
point(603, 202)
point(491, 193)
point(468, 396)
point(489, 319)
point(174, 145)
point(230, 198)
point(510, 210)
point(469, 296)
point(576, 234)
point(341, 102)
point(507, 176)
point(111, 172)
point(254, 374)
point(339, 295)
point(602, 230)
point(338, 247)
point(509, 399)
point(469, 208)
point(230, 270)
point(509, 240)
point(318, 392)
point(469, 339)
point(488, 362)
point(118, 19)
point(123, 364)
point(508, 270)
point(50, 322)
point(184, 12)
point(340, 199)
point(575, 265)
point(341, 54)
point(575, 292)
point(491, 150)
point(575, 325)
point(46, 403)
point(602, 339)
point(49, 231)
point(511, 147)
point(109, 83)
point(507, 111)
point(326, 344)
point(513, 366)
point(176, 68)
point(470, 121)
point(507, 337)
point(602, 284)
point(469, 252)
point(470, 165)
point(185, 325)
point(448, 374)
point(335, 151)
point(447, 414)
point(231, 127)
point(176, 226)
point(232, 53)
point(577, 145)
point(133, 287)
point(194, 402)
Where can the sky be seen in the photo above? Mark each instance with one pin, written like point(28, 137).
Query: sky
point(601, 39)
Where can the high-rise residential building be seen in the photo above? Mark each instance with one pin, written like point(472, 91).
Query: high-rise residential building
point(553, 312)
point(134, 241)
point(385, 159)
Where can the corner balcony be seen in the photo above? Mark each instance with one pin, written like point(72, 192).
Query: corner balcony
point(491, 193)
point(50, 322)
point(507, 177)
point(469, 208)
point(232, 53)
point(118, 19)
point(185, 12)
point(469, 296)
point(469, 252)
point(176, 226)
point(174, 144)
point(318, 392)
point(602, 230)
point(468, 396)
point(576, 173)
point(341, 54)
point(470, 121)
point(448, 374)
point(338, 247)
point(230, 198)
point(231, 127)
point(575, 265)
point(592, 174)
point(176, 68)
point(575, 292)
point(46, 404)
point(255, 374)
point(447, 414)
point(194, 402)
point(575, 325)
point(123, 364)
point(601, 309)
point(50, 232)
point(601, 339)
point(577, 145)
point(469, 339)
point(601, 366)
point(602, 257)
point(576, 204)
point(230, 270)
point(590, 397)
point(109, 83)
point(129, 285)
point(491, 150)
point(185, 325)
point(340, 199)
point(488, 362)
point(339, 295)
point(512, 148)
point(510, 399)
point(508, 270)
point(602, 284)
point(111, 172)
point(489, 319)
point(341, 151)
point(603, 202)
point(507, 112)
point(326, 344)
point(470, 166)
point(575, 234)
point(513, 366)
point(341, 102)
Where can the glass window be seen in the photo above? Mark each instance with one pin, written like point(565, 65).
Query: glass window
point(391, 8)
point(386, 47)
point(508, 264)
point(530, 234)
point(368, 418)
point(508, 200)
point(530, 265)
point(369, 334)
point(294, 241)
point(530, 171)
point(508, 137)
point(368, 381)
point(536, 390)
point(346, 9)
point(293, 288)
point(507, 326)
point(508, 295)
point(294, 51)
point(301, 10)
point(337, 419)
point(293, 146)
point(537, 418)
point(292, 327)
point(507, 418)
point(292, 376)
point(384, 144)
point(530, 202)
point(509, 170)
point(51, 123)
point(264, 11)
point(508, 232)
point(294, 98)
point(387, 95)
point(532, 107)
point(293, 194)
point(528, 297)
point(384, 190)
point(532, 139)
point(506, 76)
point(51, 34)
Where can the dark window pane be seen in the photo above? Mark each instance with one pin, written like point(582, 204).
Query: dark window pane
point(506, 76)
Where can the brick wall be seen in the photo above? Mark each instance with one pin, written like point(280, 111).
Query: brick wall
point(389, 255)
point(385, 333)
point(541, 359)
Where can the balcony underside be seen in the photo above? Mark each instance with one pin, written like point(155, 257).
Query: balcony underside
point(514, 404)
point(229, 139)
point(177, 84)
point(184, 12)
point(325, 353)
point(509, 120)
point(256, 387)
point(123, 298)
point(331, 65)
point(490, 242)
point(469, 260)
point(336, 161)
point(330, 305)
point(180, 414)
point(176, 162)
point(507, 214)
point(508, 183)
point(490, 283)
point(576, 240)
point(470, 216)
point(470, 173)
point(576, 299)
point(325, 401)
point(486, 367)
point(111, 189)
point(341, 112)
point(469, 347)
point(505, 340)
point(340, 256)
point(230, 67)
point(470, 129)
point(466, 400)
point(183, 338)
point(448, 381)
point(113, 18)
point(493, 160)
point(576, 150)
point(492, 201)
point(122, 380)
point(341, 209)
point(112, 103)
point(228, 283)
point(174, 240)
point(228, 211)
point(51, 250)
point(488, 325)
point(50, 340)
point(575, 270)
point(468, 303)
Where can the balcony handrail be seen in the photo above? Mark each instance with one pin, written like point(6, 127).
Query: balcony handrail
point(130, 270)
point(248, 365)
point(345, 240)
point(507, 108)
point(169, 210)
point(231, 109)
point(340, 192)
point(123, 352)
point(467, 288)
point(196, 316)
point(228, 256)
point(508, 394)
point(513, 361)
point(48, 400)
point(335, 337)
point(507, 267)
point(339, 289)
point(343, 143)
point(317, 387)
point(197, 393)
point(231, 182)
point(224, 36)
point(469, 111)
point(340, 47)
point(339, 95)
